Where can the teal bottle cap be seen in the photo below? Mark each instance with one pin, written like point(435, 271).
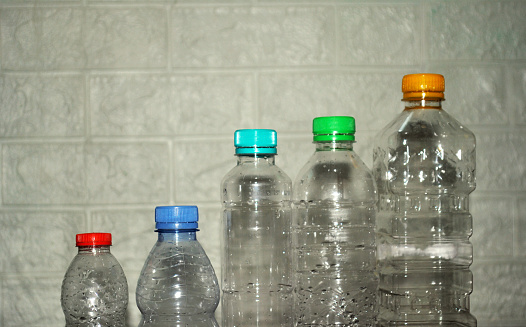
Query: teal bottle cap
point(333, 128)
point(176, 217)
point(255, 141)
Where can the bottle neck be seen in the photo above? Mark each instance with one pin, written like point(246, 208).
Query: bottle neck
point(423, 104)
point(94, 250)
point(334, 146)
point(256, 159)
point(172, 235)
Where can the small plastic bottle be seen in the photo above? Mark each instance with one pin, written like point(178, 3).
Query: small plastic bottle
point(177, 286)
point(94, 289)
point(333, 232)
point(424, 165)
point(256, 269)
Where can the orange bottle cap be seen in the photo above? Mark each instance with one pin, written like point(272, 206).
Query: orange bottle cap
point(423, 86)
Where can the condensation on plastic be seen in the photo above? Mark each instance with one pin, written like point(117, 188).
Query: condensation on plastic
point(333, 232)
point(94, 289)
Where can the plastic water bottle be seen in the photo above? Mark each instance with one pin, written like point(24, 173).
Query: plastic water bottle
point(177, 286)
point(424, 164)
point(333, 232)
point(256, 269)
point(94, 289)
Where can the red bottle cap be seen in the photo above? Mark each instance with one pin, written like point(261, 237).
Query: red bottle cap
point(93, 239)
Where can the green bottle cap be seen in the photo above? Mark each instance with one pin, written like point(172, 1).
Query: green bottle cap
point(333, 128)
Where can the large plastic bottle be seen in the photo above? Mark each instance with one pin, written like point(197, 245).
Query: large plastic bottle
point(334, 232)
point(94, 289)
point(177, 286)
point(424, 164)
point(256, 275)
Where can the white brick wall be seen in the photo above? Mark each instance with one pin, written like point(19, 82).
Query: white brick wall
point(109, 108)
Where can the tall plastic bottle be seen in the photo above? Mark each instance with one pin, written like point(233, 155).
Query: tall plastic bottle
point(94, 289)
point(256, 275)
point(333, 225)
point(177, 286)
point(424, 164)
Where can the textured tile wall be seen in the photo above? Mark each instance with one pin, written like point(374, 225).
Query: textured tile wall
point(109, 108)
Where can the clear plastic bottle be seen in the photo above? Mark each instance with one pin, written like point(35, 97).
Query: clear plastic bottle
point(256, 266)
point(177, 286)
point(94, 289)
point(333, 232)
point(424, 165)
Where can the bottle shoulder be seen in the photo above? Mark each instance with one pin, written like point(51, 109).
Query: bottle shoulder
point(425, 150)
point(183, 255)
point(425, 123)
point(249, 183)
point(251, 173)
point(99, 262)
point(191, 249)
point(335, 176)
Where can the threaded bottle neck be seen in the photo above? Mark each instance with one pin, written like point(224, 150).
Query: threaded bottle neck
point(94, 250)
point(255, 159)
point(334, 146)
point(176, 235)
point(423, 104)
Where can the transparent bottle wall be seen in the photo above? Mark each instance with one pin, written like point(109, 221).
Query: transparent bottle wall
point(424, 164)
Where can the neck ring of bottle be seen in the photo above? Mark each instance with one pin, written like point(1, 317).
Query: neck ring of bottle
point(335, 137)
point(256, 150)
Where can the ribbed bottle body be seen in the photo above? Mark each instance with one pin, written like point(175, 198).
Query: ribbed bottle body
point(177, 285)
point(256, 271)
point(334, 240)
point(424, 165)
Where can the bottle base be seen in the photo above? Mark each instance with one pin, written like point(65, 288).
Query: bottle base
point(425, 324)
point(181, 321)
point(336, 325)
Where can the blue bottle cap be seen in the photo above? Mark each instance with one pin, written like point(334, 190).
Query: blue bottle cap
point(255, 141)
point(176, 217)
